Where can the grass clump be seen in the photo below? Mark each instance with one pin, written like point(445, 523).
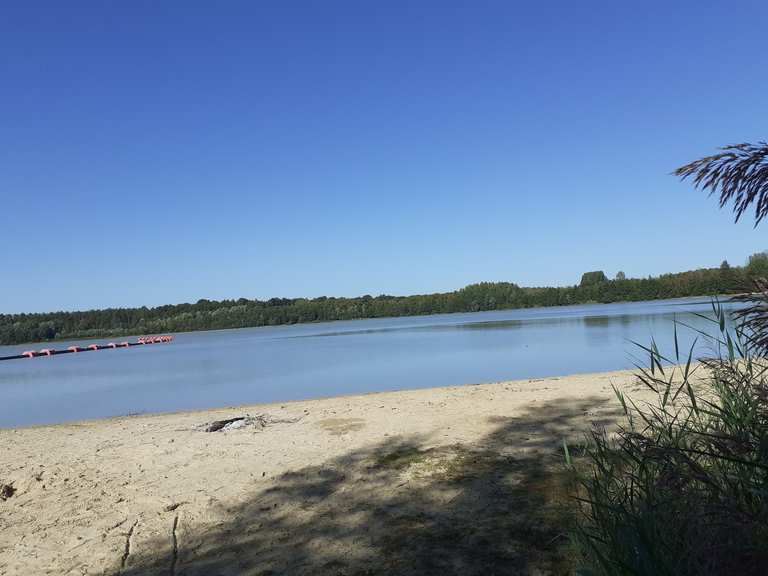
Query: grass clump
point(682, 487)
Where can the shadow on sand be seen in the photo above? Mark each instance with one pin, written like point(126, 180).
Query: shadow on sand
point(498, 506)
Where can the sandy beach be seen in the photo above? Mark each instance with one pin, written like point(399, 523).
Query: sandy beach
point(462, 480)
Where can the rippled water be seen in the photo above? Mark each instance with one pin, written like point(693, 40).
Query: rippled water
point(213, 369)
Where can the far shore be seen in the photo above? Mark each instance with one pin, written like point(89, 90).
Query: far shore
point(410, 482)
point(128, 334)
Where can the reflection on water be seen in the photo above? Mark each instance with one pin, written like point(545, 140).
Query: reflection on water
point(590, 321)
point(605, 320)
point(209, 369)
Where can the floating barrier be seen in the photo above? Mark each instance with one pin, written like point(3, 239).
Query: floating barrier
point(92, 348)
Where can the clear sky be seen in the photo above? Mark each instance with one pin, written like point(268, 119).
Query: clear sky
point(162, 152)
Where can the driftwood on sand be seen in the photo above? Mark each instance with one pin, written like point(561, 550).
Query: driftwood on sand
point(259, 422)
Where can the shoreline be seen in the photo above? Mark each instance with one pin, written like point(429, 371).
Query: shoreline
point(269, 494)
point(620, 374)
point(725, 297)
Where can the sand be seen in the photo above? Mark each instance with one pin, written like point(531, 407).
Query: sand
point(461, 480)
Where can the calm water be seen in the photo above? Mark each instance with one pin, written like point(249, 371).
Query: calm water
point(213, 369)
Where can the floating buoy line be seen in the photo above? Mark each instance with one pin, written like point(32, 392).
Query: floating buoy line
point(91, 348)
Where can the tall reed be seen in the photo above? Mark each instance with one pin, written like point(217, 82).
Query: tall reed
point(682, 487)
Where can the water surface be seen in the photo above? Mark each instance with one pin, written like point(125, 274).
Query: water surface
point(255, 365)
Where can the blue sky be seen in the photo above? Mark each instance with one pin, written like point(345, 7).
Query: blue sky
point(157, 153)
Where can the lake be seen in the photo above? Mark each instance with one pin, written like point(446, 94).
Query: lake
point(255, 365)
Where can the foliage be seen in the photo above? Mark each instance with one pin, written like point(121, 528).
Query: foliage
point(683, 487)
point(757, 266)
point(592, 278)
point(753, 318)
point(739, 174)
point(241, 313)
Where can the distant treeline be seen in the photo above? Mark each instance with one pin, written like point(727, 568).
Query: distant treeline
point(242, 313)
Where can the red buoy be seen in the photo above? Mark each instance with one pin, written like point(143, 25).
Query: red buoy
point(89, 348)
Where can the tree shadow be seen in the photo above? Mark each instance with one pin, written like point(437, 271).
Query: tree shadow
point(497, 506)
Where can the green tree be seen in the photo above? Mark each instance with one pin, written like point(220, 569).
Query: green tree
point(620, 275)
point(728, 280)
point(757, 265)
point(593, 278)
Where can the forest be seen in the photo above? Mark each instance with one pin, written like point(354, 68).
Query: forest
point(594, 287)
